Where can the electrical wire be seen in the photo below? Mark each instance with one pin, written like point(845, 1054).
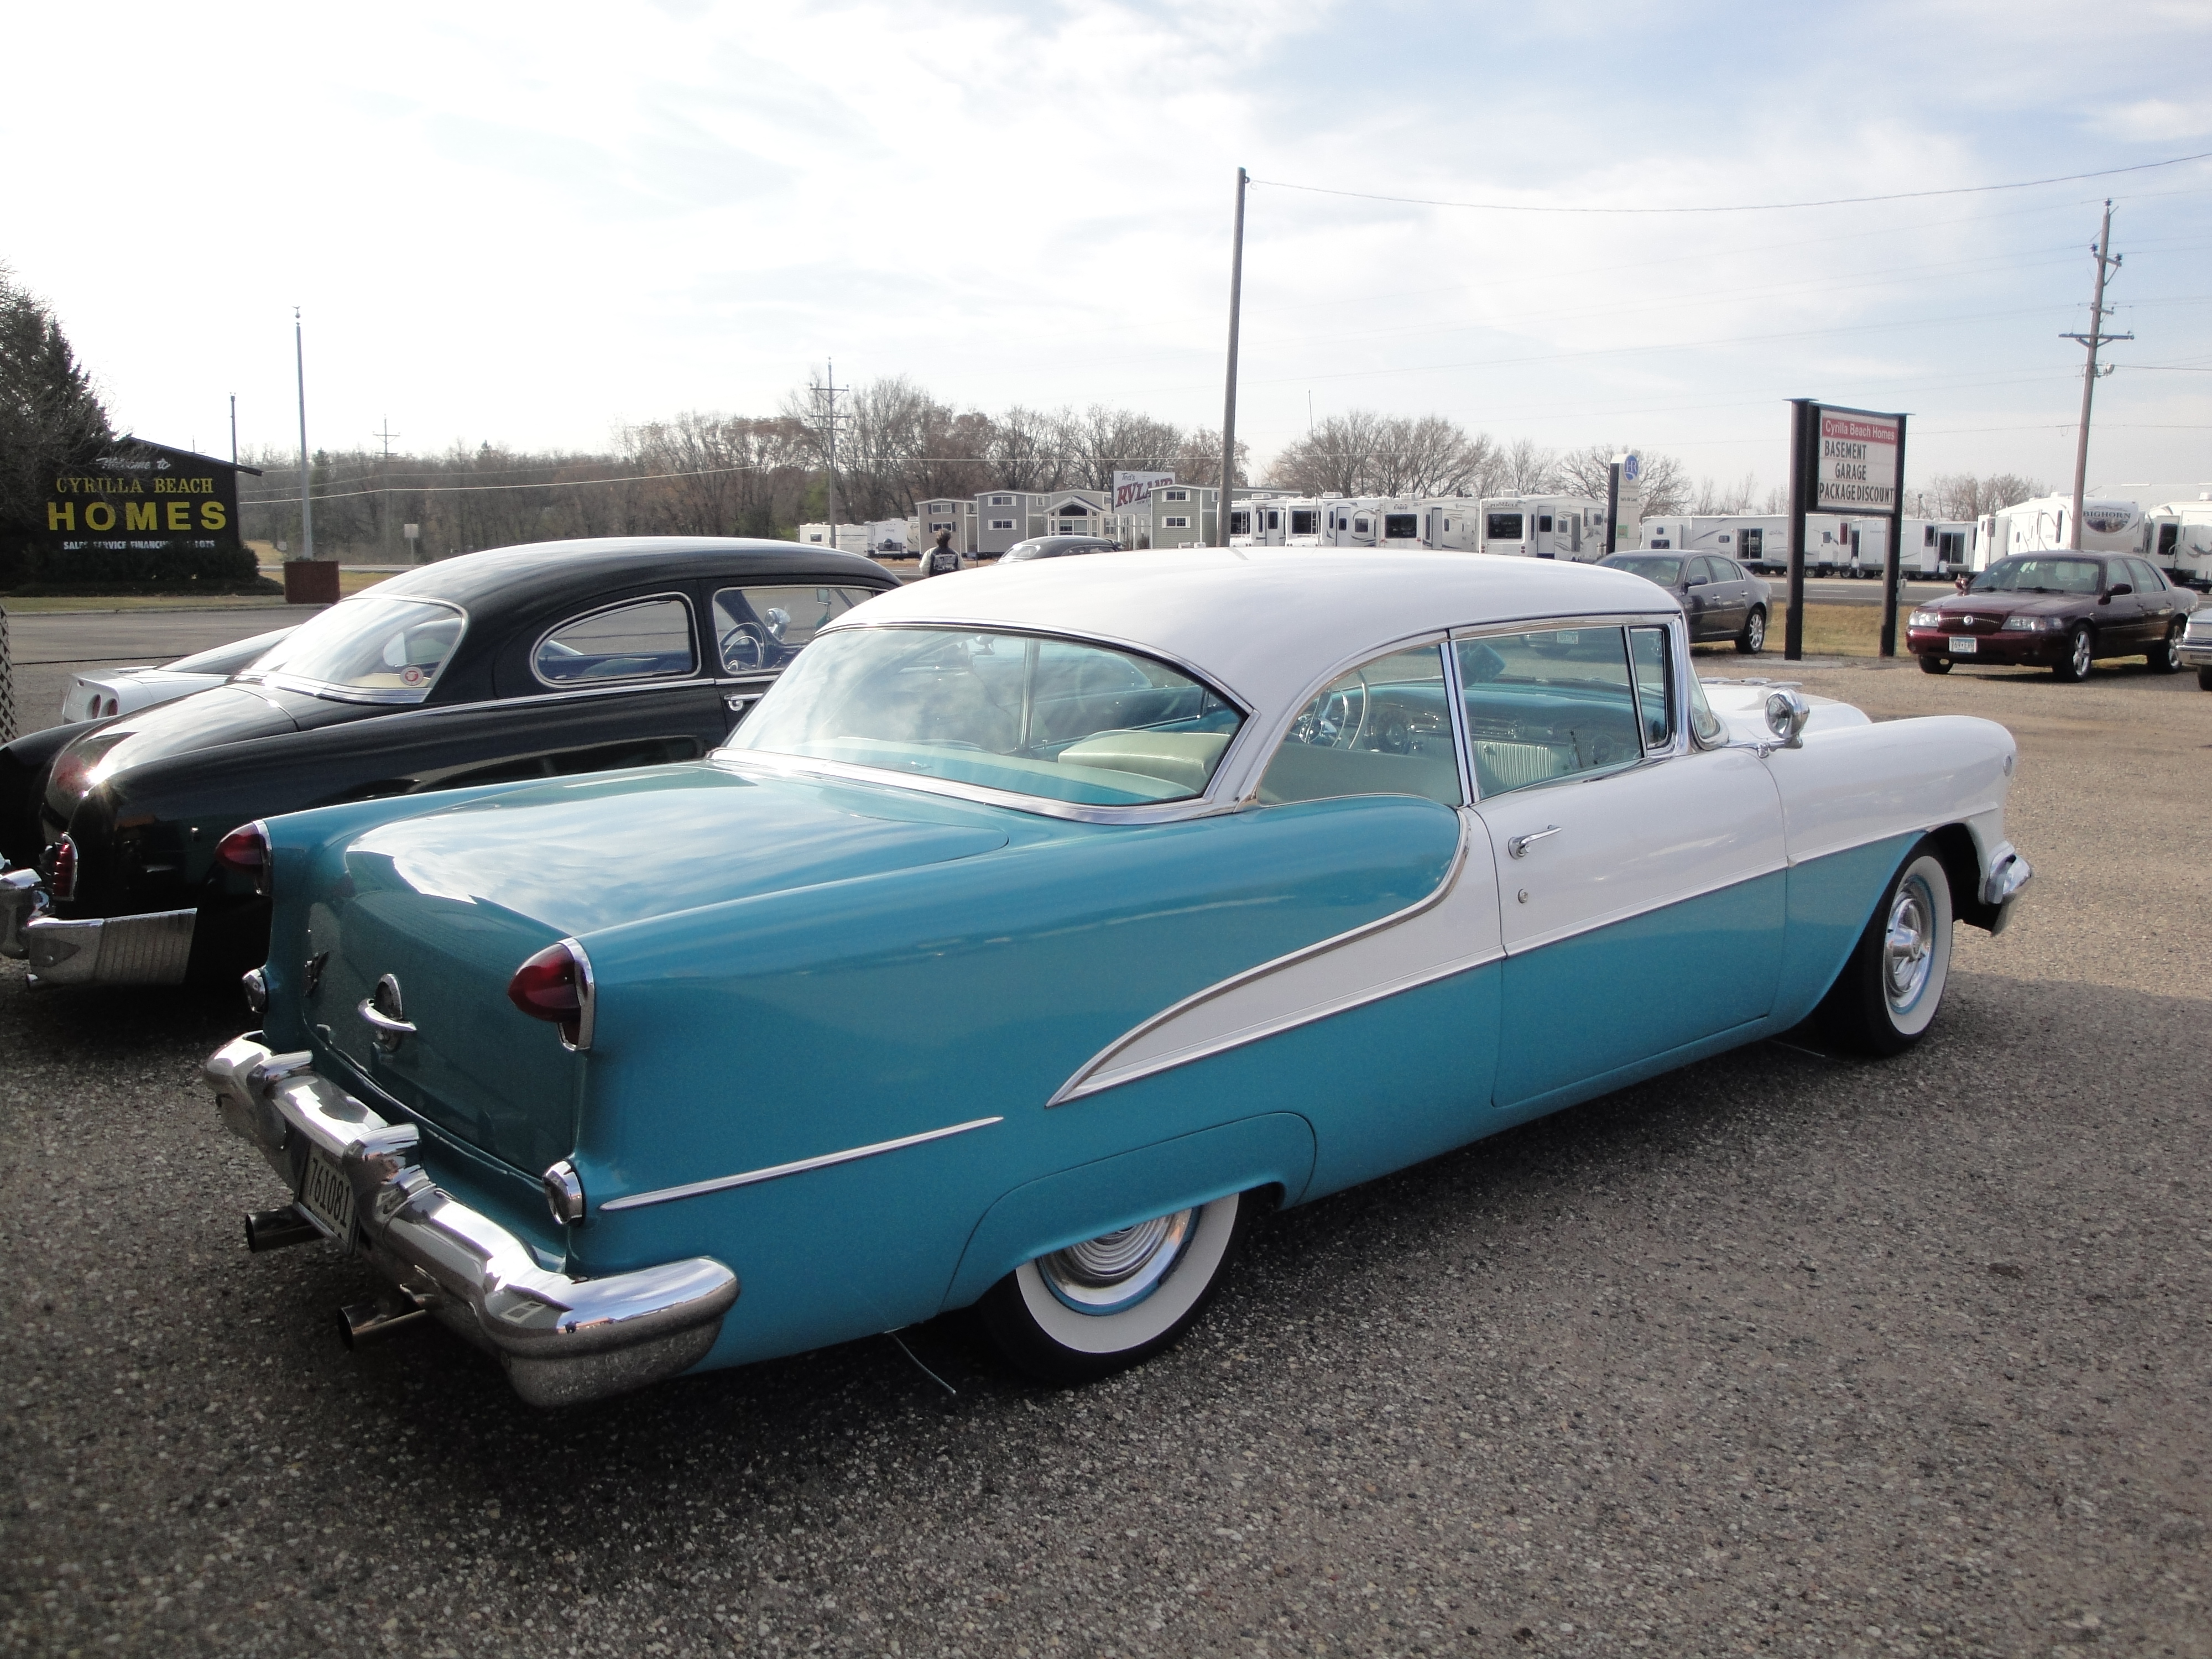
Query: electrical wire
point(1747, 207)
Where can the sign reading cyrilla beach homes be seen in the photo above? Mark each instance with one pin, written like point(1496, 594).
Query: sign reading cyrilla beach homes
point(143, 498)
point(1857, 463)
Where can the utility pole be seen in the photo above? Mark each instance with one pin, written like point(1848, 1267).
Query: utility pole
point(384, 489)
point(825, 399)
point(2107, 261)
point(234, 428)
point(1229, 400)
point(307, 504)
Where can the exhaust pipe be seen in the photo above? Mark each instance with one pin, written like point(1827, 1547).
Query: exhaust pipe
point(273, 1229)
point(362, 1323)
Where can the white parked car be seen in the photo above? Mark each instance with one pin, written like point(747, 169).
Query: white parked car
point(115, 691)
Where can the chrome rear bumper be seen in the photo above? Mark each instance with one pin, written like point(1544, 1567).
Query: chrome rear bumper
point(562, 1339)
point(152, 949)
point(22, 901)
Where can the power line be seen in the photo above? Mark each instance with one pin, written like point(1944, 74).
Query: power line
point(1745, 207)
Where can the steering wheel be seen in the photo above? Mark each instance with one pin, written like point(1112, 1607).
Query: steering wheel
point(744, 646)
point(1335, 719)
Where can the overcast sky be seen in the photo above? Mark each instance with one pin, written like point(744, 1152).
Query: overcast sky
point(533, 224)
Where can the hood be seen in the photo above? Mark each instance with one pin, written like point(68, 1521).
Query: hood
point(450, 903)
point(206, 719)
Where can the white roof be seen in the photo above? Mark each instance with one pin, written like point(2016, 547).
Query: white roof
point(1261, 623)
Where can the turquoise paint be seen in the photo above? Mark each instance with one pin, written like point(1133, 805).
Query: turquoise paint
point(1275, 1149)
point(1832, 899)
point(1588, 1004)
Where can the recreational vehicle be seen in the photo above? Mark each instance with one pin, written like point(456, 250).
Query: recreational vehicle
point(2043, 526)
point(1455, 522)
point(1834, 546)
point(1302, 520)
point(2181, 540)
point(1544, 527)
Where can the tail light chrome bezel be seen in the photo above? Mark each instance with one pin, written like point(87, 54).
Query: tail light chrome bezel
point(576, 1025)
point(231, 853)
point(59, 867)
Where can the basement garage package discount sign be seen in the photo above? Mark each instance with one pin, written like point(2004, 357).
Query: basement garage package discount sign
point(1858, 462)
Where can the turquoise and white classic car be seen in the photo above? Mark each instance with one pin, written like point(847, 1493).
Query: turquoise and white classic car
point(1041, 927)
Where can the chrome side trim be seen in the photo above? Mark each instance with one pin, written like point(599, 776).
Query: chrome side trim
point(1100, 1073)
point(776, 1171)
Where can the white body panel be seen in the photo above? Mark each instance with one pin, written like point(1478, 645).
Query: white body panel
point(124, 690)
point(1860, 784)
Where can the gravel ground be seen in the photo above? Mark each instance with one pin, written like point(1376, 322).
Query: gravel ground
point(1780, 1354)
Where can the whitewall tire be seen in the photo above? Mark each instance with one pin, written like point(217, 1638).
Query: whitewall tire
point(1889, 992)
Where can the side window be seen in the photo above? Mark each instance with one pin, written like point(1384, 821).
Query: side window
point(646, 639)
point(2147, 579)
point(1702, 570)
point(1384, 729)
point(1547, 705)
point(1655, 686)
point(761, 628)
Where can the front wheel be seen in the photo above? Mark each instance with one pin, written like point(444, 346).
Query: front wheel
point(1753, 640)
point(1887, 994)
point(2165, 655)
point(1111, 1302)
point(2080, 651)
point(1934, 665)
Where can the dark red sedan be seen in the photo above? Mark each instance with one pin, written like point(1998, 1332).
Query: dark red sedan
point(2060, 610)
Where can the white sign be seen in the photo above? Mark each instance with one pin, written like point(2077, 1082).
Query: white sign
point(1130, 488)
point(1859, 463)
point(1628, 501)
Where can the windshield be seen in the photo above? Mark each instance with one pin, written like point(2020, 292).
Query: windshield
point(2040, 576)
point(1665, 572)
point(1057, 718)
point(371, 649)
point(228, 658)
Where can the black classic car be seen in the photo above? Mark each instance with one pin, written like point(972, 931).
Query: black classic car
point(2059, 611)
point(1722, 600)
point(543, 661)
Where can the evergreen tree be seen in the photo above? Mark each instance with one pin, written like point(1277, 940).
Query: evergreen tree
point(50, 415)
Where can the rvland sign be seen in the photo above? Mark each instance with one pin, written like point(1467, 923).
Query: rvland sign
point(1857, 462)
point(141, 516)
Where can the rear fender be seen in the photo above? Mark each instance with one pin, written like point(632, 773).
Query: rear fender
point(1275, 1150)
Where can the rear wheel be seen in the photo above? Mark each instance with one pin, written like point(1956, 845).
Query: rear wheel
point(1753, 640)
point(2080, 651)
point(2165, 655)
point(1934, 665)
point(1095, 1308)
point(1887, 994)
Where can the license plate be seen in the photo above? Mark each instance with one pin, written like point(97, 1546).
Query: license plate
point(1963, 644)
point(325, 1195)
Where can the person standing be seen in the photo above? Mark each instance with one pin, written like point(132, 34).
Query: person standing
point(940, 560)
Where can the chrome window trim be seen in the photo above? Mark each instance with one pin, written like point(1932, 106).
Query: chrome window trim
point(399, 698)
point(782, 765)
point(690, 616)
point(798, 1166)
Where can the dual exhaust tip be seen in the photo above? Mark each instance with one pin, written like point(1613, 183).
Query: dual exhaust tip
point(360, 1323)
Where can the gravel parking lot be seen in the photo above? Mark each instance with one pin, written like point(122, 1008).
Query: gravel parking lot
point(1780, 1354)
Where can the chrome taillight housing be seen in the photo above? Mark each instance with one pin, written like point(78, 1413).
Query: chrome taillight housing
point(246, 849)
point(59, 868)
point(556, 985)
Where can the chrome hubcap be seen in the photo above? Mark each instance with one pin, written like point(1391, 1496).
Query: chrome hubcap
point(1907, 954)
point(1114, 1270)
point(1758, 634)
point(2080, 654)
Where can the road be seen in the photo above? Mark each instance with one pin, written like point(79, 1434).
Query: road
point(1780, 1354)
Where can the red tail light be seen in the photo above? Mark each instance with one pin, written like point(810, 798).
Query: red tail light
point(556, 985)
point(60, 862)
point(246, 849)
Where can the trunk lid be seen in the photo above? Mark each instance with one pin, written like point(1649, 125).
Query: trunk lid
point(448, 903)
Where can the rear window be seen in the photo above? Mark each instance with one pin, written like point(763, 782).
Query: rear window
point(1062, 719)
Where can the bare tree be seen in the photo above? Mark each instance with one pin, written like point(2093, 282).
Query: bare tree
point(1336, 457)
point(1198, 461)
point(1964, 495)
point(1525, 468)
point(1027, 450)
point(1737, 497)
point(1103, 441)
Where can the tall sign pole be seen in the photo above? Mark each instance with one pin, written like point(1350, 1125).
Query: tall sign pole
point(307, 504)
point(1802, 424)
point(2096, 337)
point(1229, 400)
point(1892, 567)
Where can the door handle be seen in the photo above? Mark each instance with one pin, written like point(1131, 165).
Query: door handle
point(1518, 846)
point(738, 702)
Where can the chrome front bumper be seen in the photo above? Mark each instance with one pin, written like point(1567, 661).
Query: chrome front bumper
point(562, 1339)
point(2008, 876)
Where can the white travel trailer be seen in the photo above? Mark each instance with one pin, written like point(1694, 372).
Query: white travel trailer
point(1937, 547)
point(2181, 540)
point(1543, 526)
point(1455, 522)
point(1351, 520)
point(1258, 519)
point(1301, 519)
point(1834, 546)
point(2044, 525)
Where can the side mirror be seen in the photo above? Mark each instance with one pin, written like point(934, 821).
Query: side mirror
point(1786, 714)
point(2117, 589)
